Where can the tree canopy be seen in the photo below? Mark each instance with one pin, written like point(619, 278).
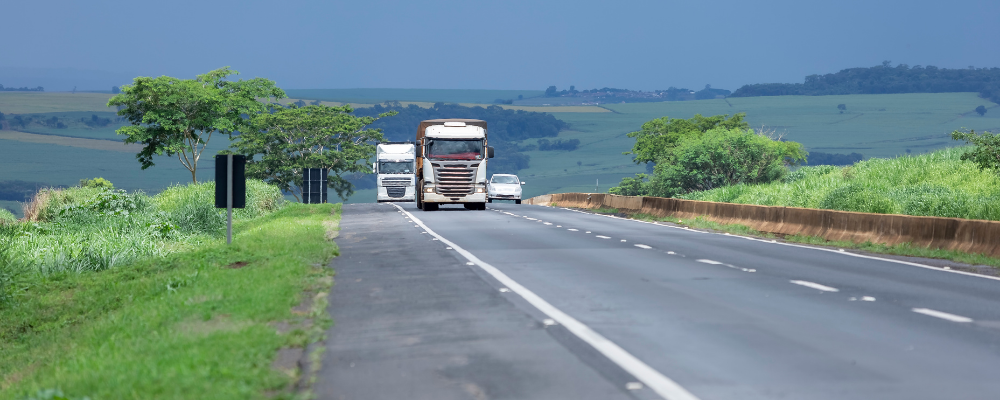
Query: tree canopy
point(315, 136)
point(986, 150)
point(178, 116)
point(655, 140)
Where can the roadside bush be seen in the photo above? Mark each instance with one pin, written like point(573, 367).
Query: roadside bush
point(7, 217)
point(97, 183)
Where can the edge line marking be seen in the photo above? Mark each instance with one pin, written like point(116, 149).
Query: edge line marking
point(661, 384)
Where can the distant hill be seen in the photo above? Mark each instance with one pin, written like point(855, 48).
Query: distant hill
point(886, 79)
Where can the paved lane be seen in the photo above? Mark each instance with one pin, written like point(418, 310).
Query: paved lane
point(731, 318)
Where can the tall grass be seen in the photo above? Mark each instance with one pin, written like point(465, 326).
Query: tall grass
point(934, 184)
point(89, 229)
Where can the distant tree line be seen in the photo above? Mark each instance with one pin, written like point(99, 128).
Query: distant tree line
point(882, 79)
point(505, 128)
point(817, 158)
point(22, 89)
point(614, 95)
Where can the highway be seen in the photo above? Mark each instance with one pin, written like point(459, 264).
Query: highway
point(532, 302)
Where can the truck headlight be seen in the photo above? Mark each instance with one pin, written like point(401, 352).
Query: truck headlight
point(428, 190)
point(480, 190)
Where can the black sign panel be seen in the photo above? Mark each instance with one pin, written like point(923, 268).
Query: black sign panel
point(239, 181)
point(314, 185)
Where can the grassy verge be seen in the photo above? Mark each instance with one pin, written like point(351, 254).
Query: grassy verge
point(938, 184)
point(903, 249)
point(203, 320)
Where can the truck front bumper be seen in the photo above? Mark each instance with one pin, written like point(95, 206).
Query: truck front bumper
point(469, 198)
point(384, 196)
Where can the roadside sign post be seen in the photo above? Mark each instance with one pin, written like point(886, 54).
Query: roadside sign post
point(314, 183)
point(230, 187)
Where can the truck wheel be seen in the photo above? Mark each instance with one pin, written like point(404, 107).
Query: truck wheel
point(430, 206)
point(518, 201)
point(489, 200)
point(481, 206)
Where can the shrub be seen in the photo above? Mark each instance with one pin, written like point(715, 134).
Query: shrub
point(99, 183)
point(7, 217)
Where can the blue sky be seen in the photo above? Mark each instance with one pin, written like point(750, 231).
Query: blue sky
point(486, 44)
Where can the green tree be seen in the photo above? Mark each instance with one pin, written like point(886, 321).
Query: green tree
point(178, 116)
point(986, 153)
point(292, 138)
point(842, 107)
point(723, 157)
point(981, 110)
point(655, 140)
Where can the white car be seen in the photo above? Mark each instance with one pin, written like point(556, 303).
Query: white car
point(504, 187)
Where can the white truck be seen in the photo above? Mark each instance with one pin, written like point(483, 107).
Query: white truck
point(451, 163)
point(394, 171)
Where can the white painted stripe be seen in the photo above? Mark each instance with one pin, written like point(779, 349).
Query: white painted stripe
point(652, 378)
point(942, 315)
point(547, 223)
point(816, 286)
point(604, 237)
point(574, 230)
point(709, 262)
point(846, 253)
point(642, 246)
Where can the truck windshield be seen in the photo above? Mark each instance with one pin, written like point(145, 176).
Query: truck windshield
point(455, 149)
point(395, 167)
point(504, 179)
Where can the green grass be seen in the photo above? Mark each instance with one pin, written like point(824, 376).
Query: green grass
point(422, 95)
point(196, 322)
point(934, 184)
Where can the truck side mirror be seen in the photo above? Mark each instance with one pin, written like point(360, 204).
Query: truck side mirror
point(374, 169)
point(489, 151)
point(523, 183)
point(418, 152)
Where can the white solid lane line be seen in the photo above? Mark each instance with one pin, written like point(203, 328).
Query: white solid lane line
point(642, 246)
point(816, 286)
point(573, 230)
point(604, 237)
point(942, 315)
point(659, 383)
point(709, 262)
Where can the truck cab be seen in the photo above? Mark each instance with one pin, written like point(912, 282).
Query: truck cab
point(395, 172)
point(451, 163)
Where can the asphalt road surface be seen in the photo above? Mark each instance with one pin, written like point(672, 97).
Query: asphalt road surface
point(531, 302)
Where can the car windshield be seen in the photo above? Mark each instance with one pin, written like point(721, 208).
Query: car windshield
point(395, 167)
point(504, 179)
point(455, 149)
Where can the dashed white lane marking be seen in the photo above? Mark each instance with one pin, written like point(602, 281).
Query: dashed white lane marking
point(623, 240)
point(816, 286)
point(863, 298)
point(713, 262)
point(942, 315)
point(549, 322)
point(574, 230)
point(642, 246)
point(588, 231)
point(558, 226)
point(671, 253)
point(504, 290)
point(602, 236)
point(650, 377)
point(416, 226)
point(547, 223)
point(633, 386)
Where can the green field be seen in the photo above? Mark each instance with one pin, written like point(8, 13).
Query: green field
point(873, 125)
point(43, 102)
point(371, 96)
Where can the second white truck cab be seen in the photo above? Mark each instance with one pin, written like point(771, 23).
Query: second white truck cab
point(504, 187)
point(395, 171)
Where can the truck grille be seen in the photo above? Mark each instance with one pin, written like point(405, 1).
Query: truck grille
point(396, 191)
point(455, 180)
